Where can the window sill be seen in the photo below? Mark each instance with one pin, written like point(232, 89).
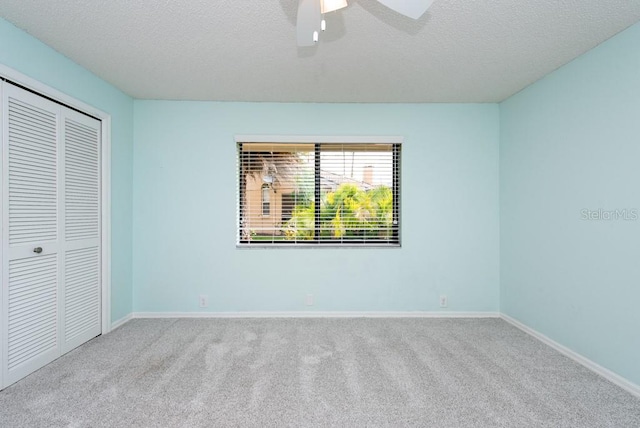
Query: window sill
point(318, 246)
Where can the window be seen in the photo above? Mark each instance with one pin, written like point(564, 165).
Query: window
point(318, 194)
point(266, 200)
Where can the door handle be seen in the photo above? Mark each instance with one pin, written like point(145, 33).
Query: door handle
point(37, 250)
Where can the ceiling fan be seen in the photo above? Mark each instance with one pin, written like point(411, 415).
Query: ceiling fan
point(311, 22)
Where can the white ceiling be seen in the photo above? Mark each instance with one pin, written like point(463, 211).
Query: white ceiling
point(243, 50)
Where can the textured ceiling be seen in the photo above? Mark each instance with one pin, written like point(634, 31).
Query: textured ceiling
point(243, 50)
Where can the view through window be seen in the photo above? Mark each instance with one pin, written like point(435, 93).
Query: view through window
point(322, 193)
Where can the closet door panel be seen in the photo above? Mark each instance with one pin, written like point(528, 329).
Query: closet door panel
point(82, 179)
point(31, 271)
point(82, 281)
point(33, 169)
point(32, 313)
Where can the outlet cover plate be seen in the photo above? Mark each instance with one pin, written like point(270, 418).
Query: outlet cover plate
point(203, 301)
point(444, 302)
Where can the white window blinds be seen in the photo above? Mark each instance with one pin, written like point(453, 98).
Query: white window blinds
point(319, 193)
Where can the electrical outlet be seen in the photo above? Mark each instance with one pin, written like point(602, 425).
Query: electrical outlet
point(309, 299)
point(443, 301)
point(203, 301)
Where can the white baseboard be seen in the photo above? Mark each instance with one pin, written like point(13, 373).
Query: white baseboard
point(122, 321)
point(594, 367)
point(316, 314)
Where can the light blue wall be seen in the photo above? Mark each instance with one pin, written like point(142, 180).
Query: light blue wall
point(185, 211)
point(31, 57)
point(572, 142)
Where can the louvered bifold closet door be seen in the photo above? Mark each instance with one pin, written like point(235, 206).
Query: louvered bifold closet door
point(51, 253)
point(31, 232)
point(82, 287)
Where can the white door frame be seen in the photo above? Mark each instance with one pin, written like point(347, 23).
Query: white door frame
point(41, 88)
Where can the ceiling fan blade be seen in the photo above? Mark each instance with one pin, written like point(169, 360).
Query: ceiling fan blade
point(309, 18)
point(411, 8)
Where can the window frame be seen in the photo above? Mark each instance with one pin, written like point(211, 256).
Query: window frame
point(265, 190)
point(396, 141)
